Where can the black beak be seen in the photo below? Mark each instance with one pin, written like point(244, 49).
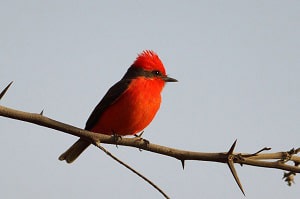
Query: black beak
point(169, 79)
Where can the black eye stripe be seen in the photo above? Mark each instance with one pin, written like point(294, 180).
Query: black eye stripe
point(134, 72)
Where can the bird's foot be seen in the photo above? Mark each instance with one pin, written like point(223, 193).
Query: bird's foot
point(139, 138)
point(116, 138)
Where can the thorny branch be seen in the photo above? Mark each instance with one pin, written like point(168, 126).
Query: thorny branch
point(288, 161)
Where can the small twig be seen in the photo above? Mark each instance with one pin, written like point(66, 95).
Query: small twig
point(254, 154)
point(263, 149)
point(131, 169)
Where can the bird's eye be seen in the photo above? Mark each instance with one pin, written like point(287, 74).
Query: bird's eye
point(156, 72)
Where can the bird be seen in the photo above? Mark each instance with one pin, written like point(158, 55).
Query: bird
point(130, 105)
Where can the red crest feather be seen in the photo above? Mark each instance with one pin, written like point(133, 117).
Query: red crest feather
point(149, 60)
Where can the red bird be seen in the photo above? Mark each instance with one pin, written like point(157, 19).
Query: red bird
point(128, 106)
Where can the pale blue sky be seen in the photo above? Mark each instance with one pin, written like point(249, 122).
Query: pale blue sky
point(238, 67)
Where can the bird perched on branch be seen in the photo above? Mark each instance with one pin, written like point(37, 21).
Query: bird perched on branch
point(130, 105)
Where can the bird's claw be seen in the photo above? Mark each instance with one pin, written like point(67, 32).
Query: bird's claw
point(116, 138)
point(140, 139)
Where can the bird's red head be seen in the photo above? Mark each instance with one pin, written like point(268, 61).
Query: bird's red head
point(149, 61)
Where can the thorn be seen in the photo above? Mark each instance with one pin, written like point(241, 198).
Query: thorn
point(41, 113)
point(236, 177)
point(139, 135)
point(4, 91)
point(182, 163)
point(230, 152)
point(230, 164)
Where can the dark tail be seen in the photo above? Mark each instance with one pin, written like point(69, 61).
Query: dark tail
point(74, 151)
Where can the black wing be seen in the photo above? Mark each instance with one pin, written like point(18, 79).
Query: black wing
point(109, 98)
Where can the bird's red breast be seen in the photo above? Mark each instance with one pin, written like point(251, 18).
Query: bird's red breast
point(134, 110)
